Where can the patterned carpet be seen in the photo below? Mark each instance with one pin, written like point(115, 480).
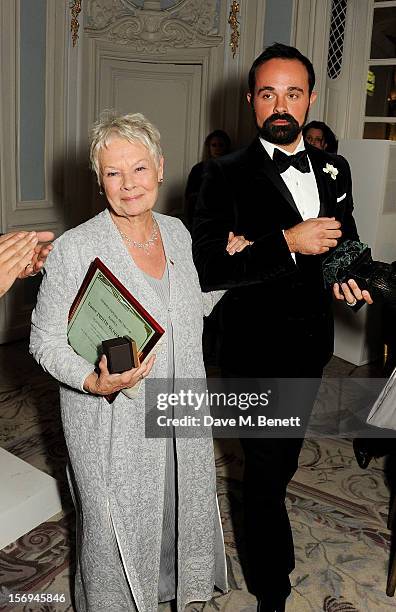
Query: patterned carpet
point(338, 512)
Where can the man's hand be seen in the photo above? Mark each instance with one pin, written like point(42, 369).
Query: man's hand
point(41, 251)
point(236, 244)
point(105, 383)
point(16, 251)
point(313, 236)
point(351, 293)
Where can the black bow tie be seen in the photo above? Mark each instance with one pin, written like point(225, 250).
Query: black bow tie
point(298, 161)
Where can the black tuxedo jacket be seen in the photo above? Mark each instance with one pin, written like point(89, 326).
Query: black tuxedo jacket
point(276, 314)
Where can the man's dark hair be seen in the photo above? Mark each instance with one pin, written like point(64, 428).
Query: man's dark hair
point(280, 51)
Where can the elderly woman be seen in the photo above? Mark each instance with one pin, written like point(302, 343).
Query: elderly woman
point(148, 513)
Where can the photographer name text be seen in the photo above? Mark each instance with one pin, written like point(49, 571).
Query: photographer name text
point(241, 421)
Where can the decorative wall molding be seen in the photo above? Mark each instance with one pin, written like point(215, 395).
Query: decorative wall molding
point(138, 86)
point(341, 100)
point(346, 95)
point(192, 23)
point(99, 14)
point(201, 15)
point(234, 23)
point(336, 38)
point(49, 212)
point(221, 99)
point(310, 34)
point(75, 11)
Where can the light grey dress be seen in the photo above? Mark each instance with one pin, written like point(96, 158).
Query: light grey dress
point(167, 575)
point(119, 473)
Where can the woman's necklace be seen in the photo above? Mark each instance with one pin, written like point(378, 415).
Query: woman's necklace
point(143, 245)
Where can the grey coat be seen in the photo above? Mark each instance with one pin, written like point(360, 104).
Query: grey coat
point(118, 472)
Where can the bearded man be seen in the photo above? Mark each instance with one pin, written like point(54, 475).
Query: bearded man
point(293, 203)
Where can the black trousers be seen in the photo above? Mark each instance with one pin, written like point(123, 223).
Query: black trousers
point(270, 464)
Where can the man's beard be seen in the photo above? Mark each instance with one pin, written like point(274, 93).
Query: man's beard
point(280, 134)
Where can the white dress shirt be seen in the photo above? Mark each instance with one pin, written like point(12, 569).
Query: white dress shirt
point(302, 185)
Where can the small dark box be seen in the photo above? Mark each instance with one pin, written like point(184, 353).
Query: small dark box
point(121, 354)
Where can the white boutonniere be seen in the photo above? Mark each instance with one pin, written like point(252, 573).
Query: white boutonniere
point(330, 169)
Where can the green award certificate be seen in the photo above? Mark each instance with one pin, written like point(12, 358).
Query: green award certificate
point(104, 309)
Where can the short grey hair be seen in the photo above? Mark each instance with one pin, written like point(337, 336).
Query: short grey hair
point(133, 127)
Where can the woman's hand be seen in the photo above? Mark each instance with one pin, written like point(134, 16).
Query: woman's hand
point(236, 244)
point(105, 383)
point(16, 251)
point(41, 251)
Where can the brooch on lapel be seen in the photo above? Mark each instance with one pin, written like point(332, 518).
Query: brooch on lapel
point(330, 169)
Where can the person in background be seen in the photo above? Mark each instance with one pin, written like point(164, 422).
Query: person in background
point(22, 254)
point(216, 144)
point(318, 134)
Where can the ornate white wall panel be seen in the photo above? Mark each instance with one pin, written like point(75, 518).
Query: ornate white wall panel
point(47, 212)
point(171, 94)
point(190, 38)
point(188, 24)
point(31, 98)
point(348, 89)
point(341, 100)
point(237, 114)
point(310, 35)
point(17, 213)
point(333, 111)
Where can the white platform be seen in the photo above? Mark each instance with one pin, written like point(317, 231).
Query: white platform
point(28, 497)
